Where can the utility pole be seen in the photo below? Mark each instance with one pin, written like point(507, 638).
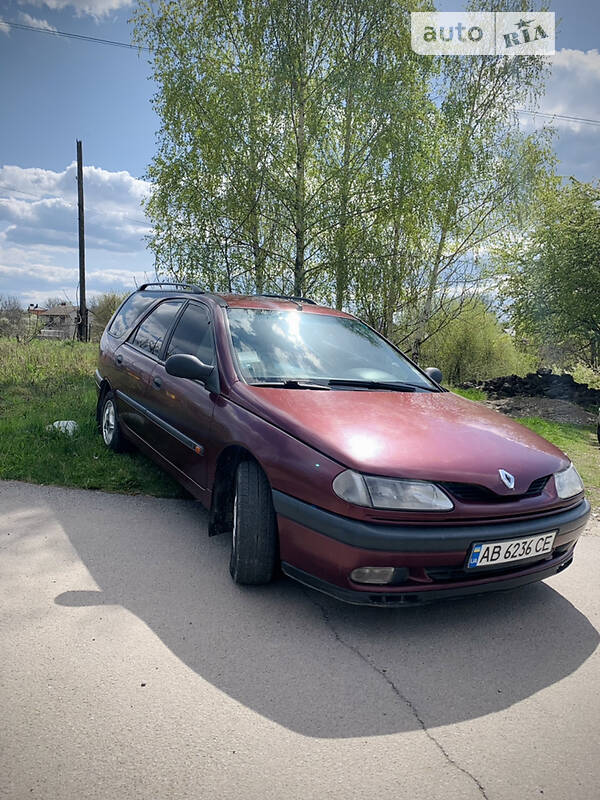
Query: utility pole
point(82, 328)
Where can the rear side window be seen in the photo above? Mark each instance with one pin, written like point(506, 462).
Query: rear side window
point(193, 335)
point(131, 310)
point(151, 333)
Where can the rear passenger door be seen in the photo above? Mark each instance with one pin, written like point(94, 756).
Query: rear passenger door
point(135, 361)
point(182, 409)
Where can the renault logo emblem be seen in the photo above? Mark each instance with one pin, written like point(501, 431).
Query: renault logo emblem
point(507, 479)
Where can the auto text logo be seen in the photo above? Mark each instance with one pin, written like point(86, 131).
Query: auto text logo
point(499, 33)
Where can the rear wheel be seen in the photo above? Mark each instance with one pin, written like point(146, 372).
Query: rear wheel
point(109, 424)
point(254, 536)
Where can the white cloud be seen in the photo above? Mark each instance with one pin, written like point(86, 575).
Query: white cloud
point(573, 89)
point(38, 231)
point(94, 8)
point(581, 61)
point(4, 28)
point(27, 19)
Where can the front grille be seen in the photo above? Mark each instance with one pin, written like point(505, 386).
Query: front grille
point(473, 493)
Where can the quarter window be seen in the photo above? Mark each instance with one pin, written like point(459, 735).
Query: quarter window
point(131, 310)
point(151, 333)
point(193, 335)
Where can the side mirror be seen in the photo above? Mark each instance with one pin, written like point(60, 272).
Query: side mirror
point(434, 373)
point(183, 365)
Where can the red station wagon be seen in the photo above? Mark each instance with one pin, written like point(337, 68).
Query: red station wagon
point(321, 449)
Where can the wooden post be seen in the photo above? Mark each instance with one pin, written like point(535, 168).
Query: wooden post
point(82, 328)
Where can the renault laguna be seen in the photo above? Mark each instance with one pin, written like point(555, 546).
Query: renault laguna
point(324, 452)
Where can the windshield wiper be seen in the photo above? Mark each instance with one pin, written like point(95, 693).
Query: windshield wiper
point(291, 385)
point(394, 386)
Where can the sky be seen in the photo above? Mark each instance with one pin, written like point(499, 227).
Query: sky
point(55, 90)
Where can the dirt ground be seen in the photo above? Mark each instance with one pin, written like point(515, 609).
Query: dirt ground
point(543, 407)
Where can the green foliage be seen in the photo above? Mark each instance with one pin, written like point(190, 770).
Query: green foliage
point(304, 147)
point(585, 374)
point(103, 306)
point(554, 285)
point(43, 381)
point(12, 317)
point(473, 346)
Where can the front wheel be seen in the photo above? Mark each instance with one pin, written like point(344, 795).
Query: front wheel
point(254, 536)
point(109, 424)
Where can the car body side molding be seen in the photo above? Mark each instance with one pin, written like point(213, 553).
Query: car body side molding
point(177, 434)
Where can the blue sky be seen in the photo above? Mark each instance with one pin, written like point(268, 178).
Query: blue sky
point(55, 90)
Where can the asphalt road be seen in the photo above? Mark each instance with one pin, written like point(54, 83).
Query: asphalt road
point(132, 667)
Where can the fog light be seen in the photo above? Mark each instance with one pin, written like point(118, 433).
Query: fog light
point(372, 574)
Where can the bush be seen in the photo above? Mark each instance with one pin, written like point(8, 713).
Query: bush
point(102, 308)
point(12, 317)
point(585, 374)
point(474, 347)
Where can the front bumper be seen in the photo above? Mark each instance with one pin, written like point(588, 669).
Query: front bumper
point(321, 549)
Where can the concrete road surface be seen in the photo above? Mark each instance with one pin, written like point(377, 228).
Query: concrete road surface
point(132, 667)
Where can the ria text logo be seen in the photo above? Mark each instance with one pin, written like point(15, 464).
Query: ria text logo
point(483, 33)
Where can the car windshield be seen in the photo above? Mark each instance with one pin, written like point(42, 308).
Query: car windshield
point(287, 346)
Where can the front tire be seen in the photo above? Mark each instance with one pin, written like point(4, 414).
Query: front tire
point(254, 538)
point(109, 424)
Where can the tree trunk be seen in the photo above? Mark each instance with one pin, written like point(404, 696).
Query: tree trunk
point(341, 255)
point(300, 191)
point(431, 287)
point(391, 288)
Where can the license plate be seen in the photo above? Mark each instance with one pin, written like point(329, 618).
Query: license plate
point(488, 554)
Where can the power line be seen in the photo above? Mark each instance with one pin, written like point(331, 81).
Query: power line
point(79, 36)
point(567, 117)
point(31, 194)
point(83, 38)
point(71, 204)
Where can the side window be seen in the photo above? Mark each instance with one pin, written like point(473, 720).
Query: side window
point(131, 310)
point(151, 333)
point(193, 335)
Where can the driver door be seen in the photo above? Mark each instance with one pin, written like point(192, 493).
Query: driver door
point(182, 408)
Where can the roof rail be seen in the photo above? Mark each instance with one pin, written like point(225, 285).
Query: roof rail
point(189, 286)
point(289, 297)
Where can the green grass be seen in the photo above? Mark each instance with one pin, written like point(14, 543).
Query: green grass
point(44, 381)
point(471, 394)
point(579, 442)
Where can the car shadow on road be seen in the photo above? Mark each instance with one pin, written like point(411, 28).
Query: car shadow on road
point(307, 662)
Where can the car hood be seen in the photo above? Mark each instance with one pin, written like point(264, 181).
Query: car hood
point(432, 436)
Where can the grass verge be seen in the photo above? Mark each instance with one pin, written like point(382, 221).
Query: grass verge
point(471, 394)
point(44, 381)
point(579, 442)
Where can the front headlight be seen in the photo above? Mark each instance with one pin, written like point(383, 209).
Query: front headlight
point(568, 483)
point(390, 493)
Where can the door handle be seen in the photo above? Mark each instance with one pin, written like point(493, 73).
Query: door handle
point(119, 359)
point(157, 383)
